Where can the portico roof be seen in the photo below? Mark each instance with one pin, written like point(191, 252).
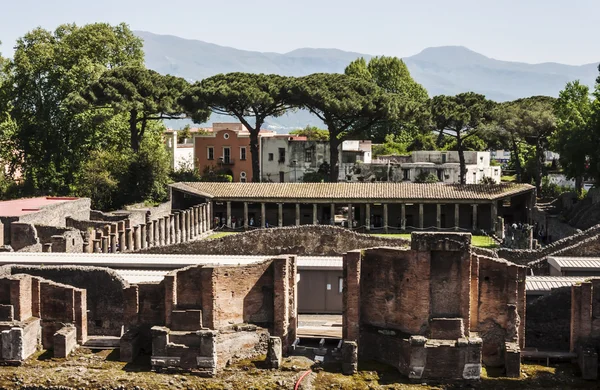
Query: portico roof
point(359, 192)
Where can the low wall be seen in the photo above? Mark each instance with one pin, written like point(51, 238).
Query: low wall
point(105, 302)
point(302, 240)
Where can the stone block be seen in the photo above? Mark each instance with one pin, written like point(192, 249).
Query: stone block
point(274, 352)
point(186, 319)
point(129, 346)
point(446, 328)
point(349, 357)
point(587, 359)
point(160, 339)
point(12, 344)
point(512, 360)
point(7, 313)
point(65, 341)
point(430, 241)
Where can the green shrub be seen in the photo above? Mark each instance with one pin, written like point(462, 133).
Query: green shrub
point(426, 177)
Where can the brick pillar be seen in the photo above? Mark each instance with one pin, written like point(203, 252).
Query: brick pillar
point(421, 226)
point(281, 299)
point(368, 216)
point(131, 298)
point(245, 215)
point(161, 231)
point(315, 215)
point(456, 216)
point(585, 327)
point(474, 227)
point(137, 238)
point(297, 214)
point(438, 216)
point(144, 236)
point(170, 297)
point(332, 214)
point(385, 217)
point(351, 296)
point(229, 215)
point(262, 215)
point(81, 315)
point(280, 214)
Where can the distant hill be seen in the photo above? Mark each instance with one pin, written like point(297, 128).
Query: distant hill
point(442, 70)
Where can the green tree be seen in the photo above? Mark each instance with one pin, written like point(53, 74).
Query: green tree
point(50, 140)
point(573, 136)
point(312, 133)
point(422, 141)
point(393, 145)
point(241, 95)
point(347, 105)
point(506, 128)
point(473, 143)
point(392, 75)
point(142, 94)
point(462, 117)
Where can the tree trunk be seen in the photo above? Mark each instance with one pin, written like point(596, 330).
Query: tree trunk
point(517, 160)
point(539, 164)
point(440, 138)
point(135, 139)
point(334, 170)
point(579, 185)
point(461, 159)
point(255, 152)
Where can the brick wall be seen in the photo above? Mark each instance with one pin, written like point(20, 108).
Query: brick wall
point(585, 315)
point(105, 301)
point(303, 240)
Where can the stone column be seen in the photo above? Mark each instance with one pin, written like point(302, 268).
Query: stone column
point(129, 238)
point(150, 233)
point(262, 215)
point(177, 227)
point(332, 214)
point(143, 236)
point(208, 216)
point(120, 228)
point(188, 227)
point(183, 222)
point(315, 215)
point(368, 216)
point(96, 244)
point(156, 233)
point(403, 217)
point(245, 215)
point(297, 214)
point(121, 238)
point(456, 216)
point(113, 242)
point(229, 215)
point(194, 221)
point(201, 219)
point(385, 217)
point(167, 230)
point(88, 246)
point(104, 244)
point(474, 227)
point(421, 216)
point(438, 216)
point(161, 232)
point(137, 238)
point(280, 214)
point(494, 217)
point(350, 216)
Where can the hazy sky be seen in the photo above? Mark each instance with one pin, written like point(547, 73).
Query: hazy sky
point(531, 31)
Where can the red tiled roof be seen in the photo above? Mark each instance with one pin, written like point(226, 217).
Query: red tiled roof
point(18, 207)
point(356, 191)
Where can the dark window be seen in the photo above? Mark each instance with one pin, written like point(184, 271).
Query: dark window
point(226, 155)
point(405, 174)
point(440, 174)
point(281, 176)
point(243, 153)
point(443, 158)
point(281, 155)
point(308, 155)
point(210, 153)
point(271, 157)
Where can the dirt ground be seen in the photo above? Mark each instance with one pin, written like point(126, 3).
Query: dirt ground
point(102, 370)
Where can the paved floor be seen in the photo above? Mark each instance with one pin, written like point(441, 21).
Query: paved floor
point(320, 325)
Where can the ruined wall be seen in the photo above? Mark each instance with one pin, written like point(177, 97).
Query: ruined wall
point(55, 214)
point(549, 320)
point(105, 302)
point(303, 240)
point(585, 315)
point(22, 235)
point(394, 290)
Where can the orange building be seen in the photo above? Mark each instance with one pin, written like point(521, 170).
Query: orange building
point(226, 147)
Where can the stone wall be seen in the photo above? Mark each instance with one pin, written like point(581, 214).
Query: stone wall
point(105, 302)
point(551, 226)
point(55, 214)
point(138, 213)
point(23, 235)
point(302, 240)
point(549, 321)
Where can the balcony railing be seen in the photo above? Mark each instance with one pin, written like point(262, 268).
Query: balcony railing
point(226, 161)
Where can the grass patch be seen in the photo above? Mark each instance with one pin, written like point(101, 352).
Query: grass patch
point(479, 241)
point(219, 235)
point(509, 178)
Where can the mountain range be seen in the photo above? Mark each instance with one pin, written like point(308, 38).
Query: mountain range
point(444, 70)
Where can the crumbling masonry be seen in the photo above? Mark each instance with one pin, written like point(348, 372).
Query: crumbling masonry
point(436, 311)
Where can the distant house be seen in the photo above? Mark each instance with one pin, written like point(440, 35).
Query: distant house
point(444, 165)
